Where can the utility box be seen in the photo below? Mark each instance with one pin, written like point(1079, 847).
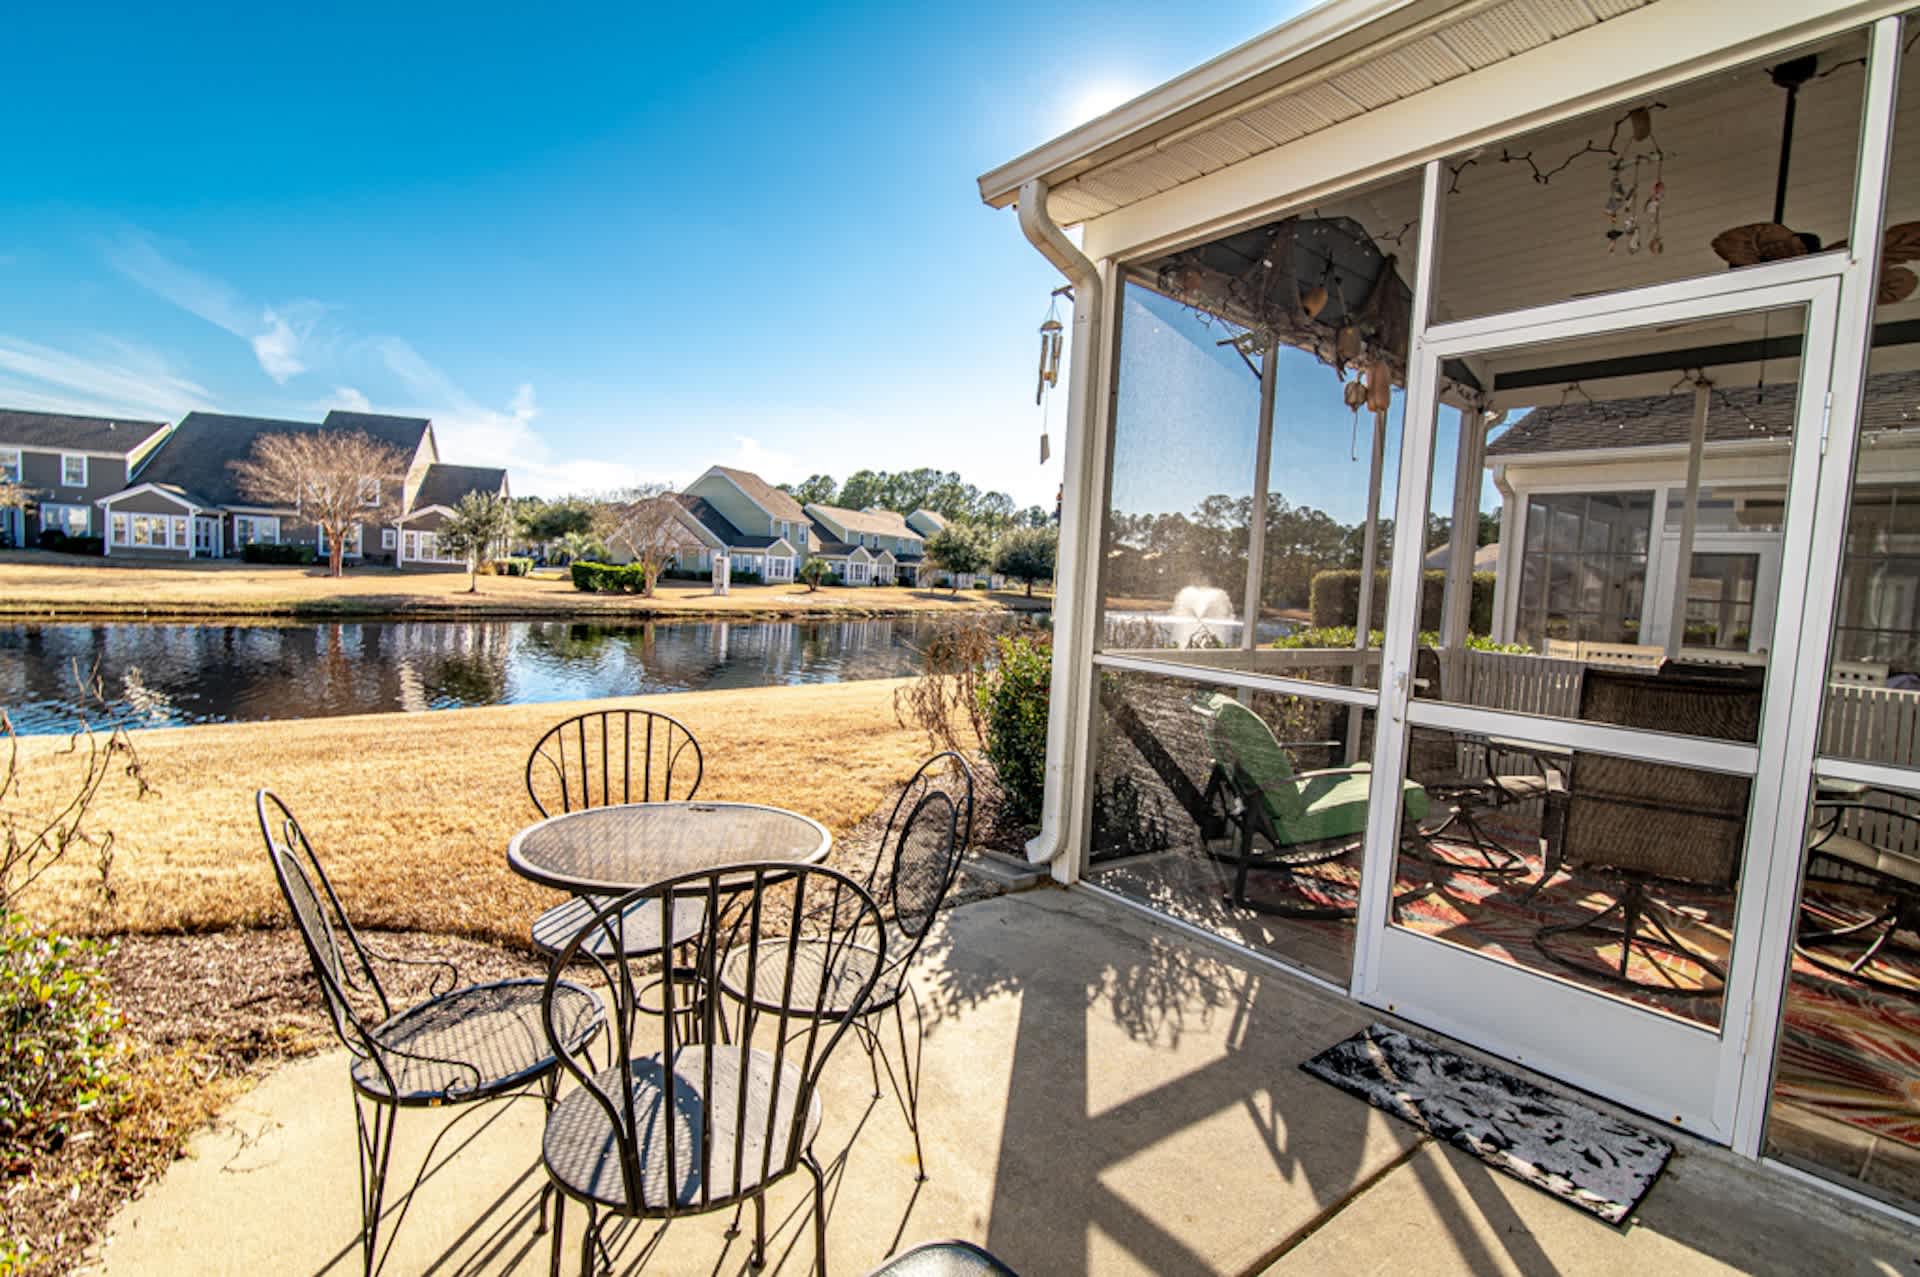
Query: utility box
point(722, 573)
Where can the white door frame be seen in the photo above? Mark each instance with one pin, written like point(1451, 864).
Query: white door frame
point(1670, 1068)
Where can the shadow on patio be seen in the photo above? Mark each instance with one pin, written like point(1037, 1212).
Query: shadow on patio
point(1100, 1096)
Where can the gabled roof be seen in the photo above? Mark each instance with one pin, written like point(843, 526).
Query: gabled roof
point(780, 505)
point(873, 521)
point(54, 431)
point(722, 528)
point(173, 490)
point(1736, 414)
point(197, 455)
point(929, 517)
point(444, 485)
point(376, 423)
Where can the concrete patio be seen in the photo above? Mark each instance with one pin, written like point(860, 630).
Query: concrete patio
point(1102, 1096)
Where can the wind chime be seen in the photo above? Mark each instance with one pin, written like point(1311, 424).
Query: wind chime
point(1627, 216)
point(1052, 333)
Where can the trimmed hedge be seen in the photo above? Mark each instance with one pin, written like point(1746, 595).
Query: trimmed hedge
point(512, 566)
point(60, 543)
point(302, 555)
point(607, 578)
point(1335, 599)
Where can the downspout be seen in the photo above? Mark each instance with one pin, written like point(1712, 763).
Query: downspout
point(1074, 570)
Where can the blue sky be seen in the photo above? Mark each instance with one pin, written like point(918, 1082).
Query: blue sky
point(602, 246)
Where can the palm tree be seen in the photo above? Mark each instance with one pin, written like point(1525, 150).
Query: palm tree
point(576, 546)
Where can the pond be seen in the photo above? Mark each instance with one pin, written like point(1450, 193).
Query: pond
point(157, 674)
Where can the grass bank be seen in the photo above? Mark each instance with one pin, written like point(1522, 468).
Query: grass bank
point(412, 812)
point(36, 585)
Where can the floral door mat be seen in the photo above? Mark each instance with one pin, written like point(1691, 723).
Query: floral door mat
point(1577, 1153)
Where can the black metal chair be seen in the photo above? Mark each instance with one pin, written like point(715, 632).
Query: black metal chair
point(683, 1123)
point(459, 1046)
point(589, 761)
point(1842, 836)
point(922, 852)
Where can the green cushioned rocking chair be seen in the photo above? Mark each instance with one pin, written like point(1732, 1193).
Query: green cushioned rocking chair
point(1306, 818)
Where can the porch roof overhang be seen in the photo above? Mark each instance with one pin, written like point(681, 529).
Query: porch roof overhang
point(1331, 64)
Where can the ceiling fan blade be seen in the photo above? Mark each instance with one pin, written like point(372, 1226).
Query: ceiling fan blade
point(1902, 243)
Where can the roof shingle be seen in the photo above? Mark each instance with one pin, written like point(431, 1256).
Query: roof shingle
point(197, 456)
point(444, 485)
point(55, 430)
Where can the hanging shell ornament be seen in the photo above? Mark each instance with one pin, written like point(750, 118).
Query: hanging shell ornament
point(1346, 347)
point(1355, 394)
point(1313, 301)
point(1379, 386)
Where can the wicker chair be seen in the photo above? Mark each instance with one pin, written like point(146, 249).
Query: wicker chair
point(925, 840)
point(598, 759)
point(1648, 823)
point(460, 1046)
point(686, 1123)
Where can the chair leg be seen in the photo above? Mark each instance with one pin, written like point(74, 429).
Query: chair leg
point(559, 1230)
point(586, 1241)
point(759, 1258)
point(376, 1149)
point(819, 1213)
point(910, 1075)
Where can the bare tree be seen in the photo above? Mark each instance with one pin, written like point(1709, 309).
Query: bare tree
point(335, 479)
point(644, 523)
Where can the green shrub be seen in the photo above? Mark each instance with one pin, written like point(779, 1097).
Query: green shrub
point(608, 578)
point(512, 566)
point(747, 578)
point(60, 543)
point(982, 585)
point(1341, 637)
point(264, 552)
point(1334, 598)
point(1013, 709)
point(59, 1034)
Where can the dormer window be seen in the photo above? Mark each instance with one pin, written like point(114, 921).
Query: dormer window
point(73, 470)
point(370, 492)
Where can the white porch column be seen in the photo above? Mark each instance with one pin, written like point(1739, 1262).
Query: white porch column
point(1689, 517)
point(1369, 561)
point(1257, 517)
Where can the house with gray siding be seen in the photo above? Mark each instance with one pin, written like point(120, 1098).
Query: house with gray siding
point(67, 463)
point(413, 537)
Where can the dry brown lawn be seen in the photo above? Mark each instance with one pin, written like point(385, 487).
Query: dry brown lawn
point(411, 813)
point(38, 584)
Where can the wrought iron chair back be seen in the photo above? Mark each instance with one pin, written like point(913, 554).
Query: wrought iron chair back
point(344, 970)
point(945, 773)
point(705, 1117)
point(926, 860)
point(610, 756)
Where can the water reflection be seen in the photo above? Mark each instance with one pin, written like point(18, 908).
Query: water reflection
point(163, 675)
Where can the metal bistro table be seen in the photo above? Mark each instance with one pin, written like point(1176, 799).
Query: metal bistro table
point(605, 851)
point(602, 852)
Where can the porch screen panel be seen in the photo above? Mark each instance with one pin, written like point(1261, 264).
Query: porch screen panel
point(1873, 687)
point(1587, 547)
point(1179, 765)
point(1295, 333)
point(1638, 192)
point(1174, 568)
point(1847, 1059)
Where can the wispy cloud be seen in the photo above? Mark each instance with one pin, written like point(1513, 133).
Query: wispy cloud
point(126, 380)
point(475, 434)
point(277, 333)
point(350, 399)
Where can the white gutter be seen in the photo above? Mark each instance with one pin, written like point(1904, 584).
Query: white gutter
point(1075, 577)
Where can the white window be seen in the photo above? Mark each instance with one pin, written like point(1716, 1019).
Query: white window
point(150, 531)
point(74, 520)
point(73, 470)
point(250, 529)
point(388, 537)
point(10, 464)
point(182, 535)
point(351, 548)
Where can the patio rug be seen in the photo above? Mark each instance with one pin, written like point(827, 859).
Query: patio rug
point(1582, 1156)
